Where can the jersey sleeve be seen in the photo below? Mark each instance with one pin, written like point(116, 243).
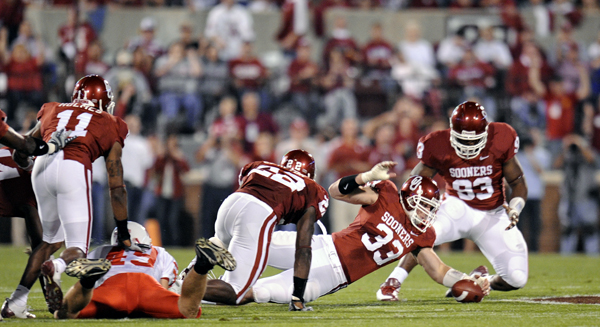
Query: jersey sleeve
point(426, 150)
point(244, 172)
point(167, 265)
point(42, 111)
point(122, 131)
point(509, 144)
point(380, 186)
point(323, 202)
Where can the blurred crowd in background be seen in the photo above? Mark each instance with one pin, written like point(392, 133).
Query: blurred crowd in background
point(208, 103)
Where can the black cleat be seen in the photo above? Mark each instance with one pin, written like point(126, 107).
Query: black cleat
point(216, 254)
point(85, 268)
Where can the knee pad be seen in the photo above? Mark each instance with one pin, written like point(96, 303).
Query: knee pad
point(312, 292)
point(261, 294)
point(517, 279)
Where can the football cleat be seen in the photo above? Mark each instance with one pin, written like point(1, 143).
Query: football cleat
point(10, 309)
point(215, 253)
point(480, 271)
point(52, 293)
point(388, 291)
point(86, 268)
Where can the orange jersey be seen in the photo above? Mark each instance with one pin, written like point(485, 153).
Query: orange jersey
point(477, 181)
point(15, 187)
point(96, 130)
point(380, 234)
point(288, 192)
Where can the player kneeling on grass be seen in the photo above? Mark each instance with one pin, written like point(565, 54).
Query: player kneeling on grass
point(118, 283)
point(389, 225)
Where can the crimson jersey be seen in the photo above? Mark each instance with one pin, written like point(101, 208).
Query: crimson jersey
point(380, 234)
point(286, 191)
point(96, 130)
point(477, 181)
point(3, 124)
point(15, 186)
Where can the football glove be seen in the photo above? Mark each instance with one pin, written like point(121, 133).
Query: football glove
point(483, 282)
point(513, 210)
point(298, 305)
point(58, 140)
point(379, 172)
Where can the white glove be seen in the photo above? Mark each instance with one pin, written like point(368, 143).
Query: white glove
point(483, 282)
point(58, 140)
point(380, 172)
point(513, 210)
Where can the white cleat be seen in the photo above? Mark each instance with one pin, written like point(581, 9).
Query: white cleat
point(388, 291)
point(10, 309)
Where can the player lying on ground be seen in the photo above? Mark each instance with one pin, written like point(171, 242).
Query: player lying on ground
point(474, 156)
point(118, 283)
point(388, 226)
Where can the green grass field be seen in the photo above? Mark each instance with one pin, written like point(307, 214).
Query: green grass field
point(422, 299)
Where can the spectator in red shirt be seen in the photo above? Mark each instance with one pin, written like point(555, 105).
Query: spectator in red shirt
point(11, 16)
point(303, 73)
point(24, 79)
point(350, 155)
point(228, 124)
point(255, 122)
point(376, 54)
point(75, 37)
point(319, 14)
point(559, 105)
point(168, 169)
point(246, 71)
point(293, 26)
point(342, 41)
point(384, 148)
point(517, 79)
point(475, 78)
point(93, 63)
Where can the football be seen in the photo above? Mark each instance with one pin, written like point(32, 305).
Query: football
point(465, 291)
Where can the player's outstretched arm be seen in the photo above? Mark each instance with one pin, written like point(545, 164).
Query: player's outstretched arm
point(513, 173)
point(347, 188)
point(423, 170)
point(445, 275)
point(305, 228)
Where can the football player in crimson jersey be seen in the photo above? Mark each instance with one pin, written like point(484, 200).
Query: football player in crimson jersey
point(136, 283)
point(62, 181)
point(269, 194)
point(389, 225)
point(474, 156)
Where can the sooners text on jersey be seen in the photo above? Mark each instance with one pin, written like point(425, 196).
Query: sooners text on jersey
point(477, 181)
point(15, 187)
point(380, 234)
point(288, 192)
point(96, 130)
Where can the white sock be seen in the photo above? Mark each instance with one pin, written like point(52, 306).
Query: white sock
point(399, 273)
point(19, 296)
point(59, 266)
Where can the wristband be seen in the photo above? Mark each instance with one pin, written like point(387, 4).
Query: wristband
point(41, 147)
point(299, 287)
point(122, 231)
point(347, 184)
point(516, 204)
point(452, 276)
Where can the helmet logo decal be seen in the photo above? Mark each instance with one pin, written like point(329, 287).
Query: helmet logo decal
point(415, 183)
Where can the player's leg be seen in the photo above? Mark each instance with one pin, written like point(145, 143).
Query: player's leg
point(282, 250)
point(245, 225)
point(193, 289)
point(326, 277)
point(506, 251)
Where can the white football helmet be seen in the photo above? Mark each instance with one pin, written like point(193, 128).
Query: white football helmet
point(138, 235)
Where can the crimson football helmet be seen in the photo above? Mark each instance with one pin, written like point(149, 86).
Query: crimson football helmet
point(137, 235)
point(468, 129)
point(96, 90)
point(420, 198)
point(300, 161)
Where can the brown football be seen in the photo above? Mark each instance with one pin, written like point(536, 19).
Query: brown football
point(465, 291)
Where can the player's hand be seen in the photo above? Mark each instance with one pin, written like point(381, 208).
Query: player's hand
point(483, 282)
point(124, 241)
point(380, 171)
point(58, 140)
point(298, 305)
point(513, 215)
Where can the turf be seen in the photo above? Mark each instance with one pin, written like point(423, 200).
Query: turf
point(422, 302)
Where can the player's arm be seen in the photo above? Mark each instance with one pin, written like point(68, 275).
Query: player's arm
point(118, 195)
point(422, 169)
point(305, 228)
point(32, 144)
point(443, 274)
point(513, 173)
point(348, 189)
